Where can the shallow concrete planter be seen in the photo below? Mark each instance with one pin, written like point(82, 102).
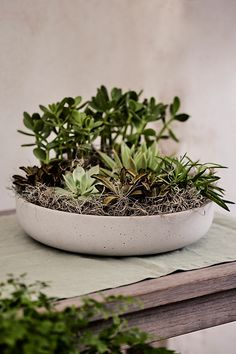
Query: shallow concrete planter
point(113, 235)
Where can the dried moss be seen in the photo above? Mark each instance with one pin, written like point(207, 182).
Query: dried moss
point(175, 201)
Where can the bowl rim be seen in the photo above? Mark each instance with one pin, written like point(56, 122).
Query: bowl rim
point(208, 203)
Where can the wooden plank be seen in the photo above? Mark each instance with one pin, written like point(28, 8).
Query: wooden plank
point(187, 316)
point(172, 288)
point(177, 304)
point(183, 317)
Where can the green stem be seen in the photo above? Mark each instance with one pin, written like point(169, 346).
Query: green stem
point(103, 143)
point(139, 133)
point(126, 127)
point(124, 132)
point(47, 157)
point(165, 126)
point(116, 136)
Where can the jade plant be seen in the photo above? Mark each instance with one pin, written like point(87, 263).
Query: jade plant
point(67, 129)
point(102, 157)
point(126, 116)
point(61, 130)
point(30, 323)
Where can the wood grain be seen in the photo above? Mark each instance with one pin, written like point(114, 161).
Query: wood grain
point(172, 288)
point(186, 316)
point(179, 303)
point(183, 317)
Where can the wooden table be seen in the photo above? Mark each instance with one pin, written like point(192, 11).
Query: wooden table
point(179, 303)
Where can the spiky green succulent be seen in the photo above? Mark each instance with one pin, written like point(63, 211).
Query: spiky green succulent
point(128, 185)
point(79, 183)
point(143, 158)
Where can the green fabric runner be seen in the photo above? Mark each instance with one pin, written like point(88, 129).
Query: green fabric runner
point(72, 274)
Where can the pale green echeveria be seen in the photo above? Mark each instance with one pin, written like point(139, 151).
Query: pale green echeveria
point(136, 159)
point(79, 183)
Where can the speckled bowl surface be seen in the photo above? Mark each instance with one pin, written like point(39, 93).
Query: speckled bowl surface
point(114, 235)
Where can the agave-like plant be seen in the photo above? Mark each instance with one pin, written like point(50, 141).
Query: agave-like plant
point(79, 183)
point(128, 185)
point(143, 158)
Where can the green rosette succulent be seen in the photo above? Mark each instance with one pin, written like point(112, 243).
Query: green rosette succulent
point(79, 183)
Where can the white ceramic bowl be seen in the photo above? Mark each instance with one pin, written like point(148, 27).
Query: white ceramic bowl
point(114, 235)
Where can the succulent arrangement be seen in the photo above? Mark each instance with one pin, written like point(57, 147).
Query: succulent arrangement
point(105, 152)
point(30, 323)
point(98, 157)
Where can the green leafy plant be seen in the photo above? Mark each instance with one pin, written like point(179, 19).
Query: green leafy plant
point(79, 183)
point(61, 131)
point(67, 129)
point(126, 117)
point(30, 323)
point(128, 162)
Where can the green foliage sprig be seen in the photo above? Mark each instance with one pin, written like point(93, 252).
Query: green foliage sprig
point(61, 131)
point(30, 323)
point(126, 116)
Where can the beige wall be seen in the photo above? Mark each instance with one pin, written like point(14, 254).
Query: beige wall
point(53, 48)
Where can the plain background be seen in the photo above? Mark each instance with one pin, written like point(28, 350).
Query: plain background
point(55, 48)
